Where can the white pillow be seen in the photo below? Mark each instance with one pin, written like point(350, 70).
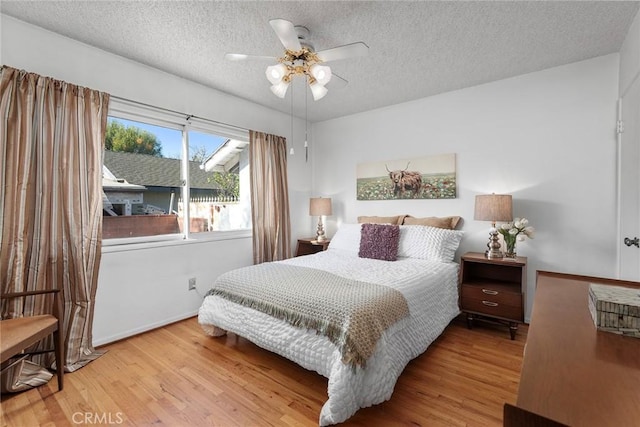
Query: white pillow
point(431, 243)
point(347, 238)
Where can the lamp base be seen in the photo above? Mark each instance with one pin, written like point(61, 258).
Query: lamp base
point(493, 254)
point(493, 251)
point(320, 237)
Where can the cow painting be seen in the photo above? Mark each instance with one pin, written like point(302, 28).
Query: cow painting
point(428, 177)
point(405, 181)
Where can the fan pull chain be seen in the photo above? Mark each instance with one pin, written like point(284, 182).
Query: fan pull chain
point(306, 145)
point(291, 150)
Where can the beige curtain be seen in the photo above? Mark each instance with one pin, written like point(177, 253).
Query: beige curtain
point(51, 200)
point(269, 197)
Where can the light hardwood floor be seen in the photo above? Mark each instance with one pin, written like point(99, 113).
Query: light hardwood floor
point(177, 376)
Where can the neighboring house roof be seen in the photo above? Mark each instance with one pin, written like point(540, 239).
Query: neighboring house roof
point(121, 185)
point(111, 183)
point(151, 171)
point(226, 156)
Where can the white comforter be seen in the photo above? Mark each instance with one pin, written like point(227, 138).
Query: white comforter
point(430, 289)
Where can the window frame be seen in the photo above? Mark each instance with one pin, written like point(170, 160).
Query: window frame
point(120, 108)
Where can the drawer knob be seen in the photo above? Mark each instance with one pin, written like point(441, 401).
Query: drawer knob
point(490, 292)
point(490, 303)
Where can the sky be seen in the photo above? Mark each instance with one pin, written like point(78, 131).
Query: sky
point(171, 139)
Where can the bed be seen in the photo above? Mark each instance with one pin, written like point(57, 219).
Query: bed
point(361, 372)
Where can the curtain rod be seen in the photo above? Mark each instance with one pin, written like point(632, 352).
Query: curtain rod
point(187, 116)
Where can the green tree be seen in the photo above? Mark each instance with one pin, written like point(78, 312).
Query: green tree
point(229, 183)
point(131, 139)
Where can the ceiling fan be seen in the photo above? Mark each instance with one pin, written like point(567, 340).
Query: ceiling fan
point(300, 59)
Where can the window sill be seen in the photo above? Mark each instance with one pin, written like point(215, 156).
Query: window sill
point(141, 243)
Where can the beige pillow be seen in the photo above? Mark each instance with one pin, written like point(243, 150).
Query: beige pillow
point(448, 222)
point(395, 220)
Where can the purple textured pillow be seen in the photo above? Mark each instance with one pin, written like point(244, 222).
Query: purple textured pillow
point(379, 241)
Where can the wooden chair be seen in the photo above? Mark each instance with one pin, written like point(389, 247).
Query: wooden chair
point(20, 333)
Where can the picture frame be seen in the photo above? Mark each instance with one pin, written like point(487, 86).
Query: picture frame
point(428, 177)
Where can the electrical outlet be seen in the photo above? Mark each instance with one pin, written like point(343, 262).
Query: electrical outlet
point(192, 284)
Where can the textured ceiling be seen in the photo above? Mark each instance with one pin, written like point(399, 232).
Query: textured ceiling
point(417, 49)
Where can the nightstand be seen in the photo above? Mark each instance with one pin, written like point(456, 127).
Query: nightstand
point(311, 246)
point(493, 289)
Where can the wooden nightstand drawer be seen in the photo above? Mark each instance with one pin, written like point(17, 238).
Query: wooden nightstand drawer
point(493, 308)
point(492, 293)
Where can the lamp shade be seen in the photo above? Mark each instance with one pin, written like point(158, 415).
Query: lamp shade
point(493, 207)
point(321, 73)
point(320, 206)
point(275, 73)
point(280, 89)
point(318, 91)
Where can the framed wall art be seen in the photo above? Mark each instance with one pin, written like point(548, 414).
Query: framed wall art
point(430, 177)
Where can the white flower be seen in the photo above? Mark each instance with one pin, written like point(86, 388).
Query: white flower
point(529, 232)
point(519, 229)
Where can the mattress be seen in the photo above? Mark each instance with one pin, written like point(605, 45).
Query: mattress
point(430, 288)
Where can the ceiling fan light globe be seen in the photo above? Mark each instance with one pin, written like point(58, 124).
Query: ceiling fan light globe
point(280, 89)
point(275, 73)
point(318, 91)
point(321, 73)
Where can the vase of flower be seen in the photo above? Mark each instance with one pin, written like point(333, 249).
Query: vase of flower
point(515, 231)
point(510, 245)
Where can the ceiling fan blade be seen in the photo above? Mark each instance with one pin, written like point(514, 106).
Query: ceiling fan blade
point(242, 57)
point(337, 82)
point(343, 52)
point(286, 33)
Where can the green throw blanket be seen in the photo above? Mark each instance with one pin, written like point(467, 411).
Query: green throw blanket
point(352, 314)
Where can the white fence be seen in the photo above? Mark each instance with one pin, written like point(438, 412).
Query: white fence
point(216, 214)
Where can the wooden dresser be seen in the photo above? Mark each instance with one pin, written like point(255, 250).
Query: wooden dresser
point(572, 373)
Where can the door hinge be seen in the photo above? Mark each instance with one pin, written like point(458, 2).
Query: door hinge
point(619, 126)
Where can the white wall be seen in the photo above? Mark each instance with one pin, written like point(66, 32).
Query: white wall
point(140, 289)
point(547, 138)
point(145, 288)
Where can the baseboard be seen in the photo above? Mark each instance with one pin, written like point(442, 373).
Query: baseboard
point(127, 334)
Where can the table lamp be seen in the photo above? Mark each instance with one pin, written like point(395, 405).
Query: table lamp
point(319, 206)
point(493, 207)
